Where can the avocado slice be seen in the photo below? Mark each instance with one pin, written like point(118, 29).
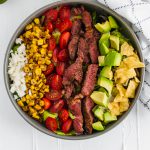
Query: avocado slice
point(99, 112)
point(47, 114)
point(62, 133)
point(106, 72)
point(114, 41)
point(98, 126)
point(105, 36)
point(103, 49)
point(108, 117)
point(101, 89)
point(99, 98)
point(105, 83)
point(113, 22)
point(113, 58)
point(103, 27)
point(101, 60)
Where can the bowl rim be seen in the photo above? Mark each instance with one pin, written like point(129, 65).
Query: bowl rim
point(19, 29)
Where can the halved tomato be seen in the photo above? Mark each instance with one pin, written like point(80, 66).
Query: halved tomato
point(57, 106)
point(55, 53)
point(62, 55)
point(65, 12)
point(64, 39)
point(49, 26)
point(51, 124)
point(60, 68)
point(63, 115)
point(49, 79)
point(49, 69)
point(65, 25)
point(67, 126)
point(53, 95)
point(51, 43)
point(51, 15)
point(56, 83)
point(47, 103)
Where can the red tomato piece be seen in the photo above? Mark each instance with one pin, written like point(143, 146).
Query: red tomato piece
point(49, 69)
point(57, 23)
point(49, 79)
point(60, 68)
point(49, 26)
point(55, 53)
point(53, 95)
point(64, 39)
point(62, 55)
point(51, 44)
point(67, 126)
point(57, 106)
point(63, 115)
point(51, 124)
point(47, 103)
point(65, 12)
point(51, 15)
point(65, 25)
point(56, 83)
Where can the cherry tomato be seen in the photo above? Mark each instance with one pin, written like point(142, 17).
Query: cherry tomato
point(65, 25)
point(64, 12)
point(49, 26)
point(62, 55)
point(67, 126)
point(49, 69)
point(57, 106)
point(47, 103)
point(55, 53)
point(53, 95)
point(63, 115)
point(49, 79)
point(51, 15)
point(60, 68)
point(64, 39)
point(51, 124)
point(57, 23)
point(51, 44)
point(56, 83)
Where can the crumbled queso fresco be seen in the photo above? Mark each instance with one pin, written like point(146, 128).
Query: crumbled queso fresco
point(15, 69)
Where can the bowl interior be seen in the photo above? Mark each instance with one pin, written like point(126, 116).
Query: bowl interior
point(92, 6)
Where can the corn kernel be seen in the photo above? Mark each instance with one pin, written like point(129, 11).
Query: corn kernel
point(38, 71)
point(31, 103)
point(28, 27)
point(41, 103)
point(37, 21)
point(33, 81)
point(40, 42)
point(20, 103)
point(41, 111)
point(44, 46)
point(25, 108)
point(41, 95)
point(37, 107)
point(48, 62)
point(43, 51)
point(26, 69)
point(32, 110)
point(23, 99)
point(27, 97)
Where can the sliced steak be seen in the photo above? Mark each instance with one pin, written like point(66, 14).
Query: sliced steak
point(90, 80)
point(77, 11)
point(69, 90)
point(74, 71)
point(87, 114)
point(87, 19)
point(76, 27)
point(93, 50)
point(75, 108)
point(96, 34)
point(83, 50)
point(73, 46)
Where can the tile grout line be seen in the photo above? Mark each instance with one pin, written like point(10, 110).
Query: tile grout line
point(137, 122)
point(34, 140)
point(59, 144)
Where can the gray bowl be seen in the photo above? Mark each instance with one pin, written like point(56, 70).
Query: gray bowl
point(91, 6)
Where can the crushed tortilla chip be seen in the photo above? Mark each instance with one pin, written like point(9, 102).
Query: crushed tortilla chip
point(124, 106)
point(127, 49)
point(114, 108)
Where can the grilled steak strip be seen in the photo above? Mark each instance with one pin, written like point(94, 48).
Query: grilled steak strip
point(76, 27)
point(87, 19)
point(75, 108)
point(87, 114)
point(90, 80)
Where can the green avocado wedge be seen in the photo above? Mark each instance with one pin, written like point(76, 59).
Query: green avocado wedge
point(103, 49)
point(99, 98)
point(98, 126)
point(47, 114)
point(108, 117)
point(103, 27)
point(101, 60)
point(106, 72)
point(105, 83)
point(114, 41)
point(113, 58)
point(113, 22)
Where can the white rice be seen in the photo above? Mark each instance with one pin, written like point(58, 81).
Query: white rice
point(15, 69)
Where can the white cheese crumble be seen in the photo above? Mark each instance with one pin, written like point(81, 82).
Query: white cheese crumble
point(15, 69)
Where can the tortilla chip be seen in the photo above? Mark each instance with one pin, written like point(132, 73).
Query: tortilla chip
point(126, 49)
point(130, 92)
point(124, 106)
point(121, 90)
point(114, 108)
point(120, 98)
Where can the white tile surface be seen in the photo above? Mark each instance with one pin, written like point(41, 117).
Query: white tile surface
point(15, 134)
